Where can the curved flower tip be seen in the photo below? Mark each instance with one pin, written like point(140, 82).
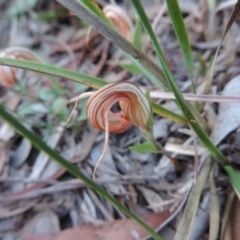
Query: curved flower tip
point(133, 103)
point(120, 19)
point(8, 74)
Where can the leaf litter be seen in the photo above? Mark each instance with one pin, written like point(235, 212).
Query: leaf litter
point(33, 188)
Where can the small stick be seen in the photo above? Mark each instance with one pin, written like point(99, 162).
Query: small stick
point(197, 97)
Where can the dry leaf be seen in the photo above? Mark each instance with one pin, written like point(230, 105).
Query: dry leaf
point(154, 200)
point(21, 153)
point(229, 113)
point(45, 222)
point(9, 211)
point(106, 169)
point(115, 230)
point(42, 159)
point(88, 139)
point(232, 231)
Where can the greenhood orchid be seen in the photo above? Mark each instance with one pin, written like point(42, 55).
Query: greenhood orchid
point(120, 19)
point(8, 74)
point(133, 103)
point(135, 108)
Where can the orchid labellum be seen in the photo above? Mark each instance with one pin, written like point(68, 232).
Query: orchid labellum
point(120, 19)
point(8, 74)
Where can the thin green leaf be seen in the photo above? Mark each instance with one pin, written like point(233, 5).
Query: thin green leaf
point(150, 118)
point(94, 8)
point(39, 144)
point(234, 177)
point(147, 147)
point(146, 73)
point(182, 35)
point(48, 15)
point(137, 38)
point(59, 108)
point(164, 112)
point(55, 71)
point(192, 121)
point(47, 94)
point(80, 78)
point(132, 69)
point(83, 115)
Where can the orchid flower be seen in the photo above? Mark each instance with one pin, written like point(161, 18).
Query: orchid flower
point(8, 74)
point(133, 103)
point(120, 19)
point(135, 108)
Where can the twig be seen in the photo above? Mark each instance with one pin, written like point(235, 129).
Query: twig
point(196, 97)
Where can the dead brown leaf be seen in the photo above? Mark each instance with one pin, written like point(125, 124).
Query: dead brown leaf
point(115, 230)
point(232, 231)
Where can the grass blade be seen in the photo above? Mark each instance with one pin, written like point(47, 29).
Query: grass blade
point(81, 78)
point(181, 32)
point(164, 112)
point(39, 144)
point(137, 38)
point(93, 7)
point(55, 71)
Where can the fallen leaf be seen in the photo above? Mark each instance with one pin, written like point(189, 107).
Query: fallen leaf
point(3, 155)
point(88, 139)
point(232, 231)
point(42, 159)
point(21, 153)
point(45, 222)
point(229, 113)
point(115, 230)
point(154, 199)
point(9, 211)
point(106, 169)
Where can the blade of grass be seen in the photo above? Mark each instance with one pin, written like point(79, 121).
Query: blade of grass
point(39, 144)
point(78, 77)
point(192, 121)
point(93, 7)
point(158, 109)
point(137, 37)
point(55, 71)
point(98, 24)
point(181, 32)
